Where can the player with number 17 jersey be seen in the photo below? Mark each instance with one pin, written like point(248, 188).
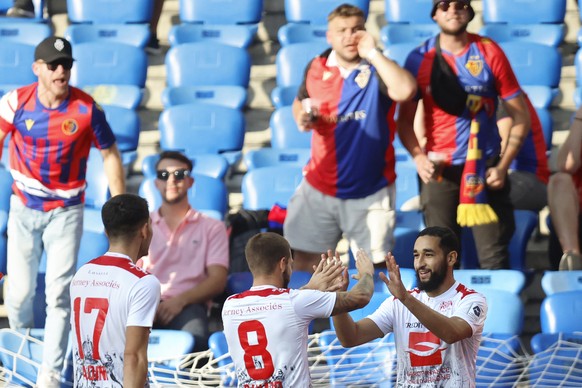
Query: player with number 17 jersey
point(108, 294)
point(267, 330)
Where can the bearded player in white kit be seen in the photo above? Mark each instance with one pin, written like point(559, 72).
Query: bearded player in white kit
point(266, 327)
point(114, 302)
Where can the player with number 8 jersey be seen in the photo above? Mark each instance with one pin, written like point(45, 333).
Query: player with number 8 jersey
point(113, 302)
point(266, 327)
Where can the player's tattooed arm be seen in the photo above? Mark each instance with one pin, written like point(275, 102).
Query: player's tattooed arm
point(362, 292)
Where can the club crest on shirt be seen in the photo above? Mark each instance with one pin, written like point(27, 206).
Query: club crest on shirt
point(29, 123)
point(69, 127)
point(363, 78)
point(475, 66)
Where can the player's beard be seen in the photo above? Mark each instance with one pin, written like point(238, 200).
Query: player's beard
point(437, 277)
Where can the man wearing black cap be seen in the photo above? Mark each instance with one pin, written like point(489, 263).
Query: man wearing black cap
point(52, 127)
point(460, 76)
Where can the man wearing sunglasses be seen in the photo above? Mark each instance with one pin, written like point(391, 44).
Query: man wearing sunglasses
point(460, 77)
point(52, 127)
point(188, 252)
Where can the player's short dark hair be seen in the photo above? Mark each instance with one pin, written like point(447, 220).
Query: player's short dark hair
point(175, 155)
point(264, 251)
point(345, 11)
point(124, 214)
point(448, 240)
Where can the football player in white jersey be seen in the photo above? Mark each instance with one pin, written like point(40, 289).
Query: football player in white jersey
point(113, 302)
point(437, 326)
point(266, 327)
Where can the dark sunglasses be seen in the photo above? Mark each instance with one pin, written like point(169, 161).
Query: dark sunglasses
point(457, 5)
point(67, 64)
point(179, 175)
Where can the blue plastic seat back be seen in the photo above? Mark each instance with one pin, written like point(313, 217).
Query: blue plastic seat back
point(299, 279)
point(407, 186)
point(28, 33)
point(219, 347)
point(408, 11)
point(231, 96)
point(292, 60)
point(97, 191)
point(208, 195)
point(284, 131)
point(375, 360)
point(556, 361)
point(540, 96)
point(201, 128)
point(399, 51)
point(509, 280)
point(5, 193)
point(238, 282)
point(212, 165)
point(109, 63)
point(125, 96)
point(207, 63)
point(560, 281)
point(15, 63)
point(233, 35)
point(267, 157)
point(293, 33)
point(547, 34)
point(21, 356)
point(505, 312)
point(560, 312)
point(498, 360)
point(125, 125)
point(221, 11)
point(524, 11)
point(164, 344)
point(263, 187)
point(407, 33)
point(283, 95)
point(316, 11)
point(408, 224)
point(132, 34)
point(534, 63)
point(578, 67)
point(94, 242)
point(109, 11)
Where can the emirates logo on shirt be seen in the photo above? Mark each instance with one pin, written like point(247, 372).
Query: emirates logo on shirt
point(425, 349)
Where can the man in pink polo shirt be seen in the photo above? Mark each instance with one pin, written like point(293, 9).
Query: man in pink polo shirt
point(188, 252)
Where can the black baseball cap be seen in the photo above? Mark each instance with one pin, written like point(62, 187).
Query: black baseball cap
point(468, 2)
point(53, 48)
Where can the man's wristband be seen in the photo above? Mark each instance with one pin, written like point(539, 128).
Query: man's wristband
point(372, 54)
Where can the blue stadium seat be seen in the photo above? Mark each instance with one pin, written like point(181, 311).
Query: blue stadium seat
point(109, 64)
point(408, 225)
point(284, 131)
point(212, 165)
point(15, 64)
point(94, 242)
point(21, 356)
point(5, 193)
point(377, 299)
point(512, 11)
point(124, 96)
point(234, 35)
point(132, 34)
point(221, 11)
point(547, 126)
point(408, 11)
point(106, 11)
point(540, 96)
point(395, 33)
point(97, 191)
point(291, 62)
point(509, 280)
point(208, 64)
point(407, 186)
point(534, 64)
point(561, 281)
point(556, 361)
point(505, 312)
point(525, 223)
point(316, 11)
point(28, 33)
point(203, 128)
point(39, 7)
point(231, 96)
point(547, 34)
point(578, 67)
point(125, 125)
point(263, 187)
point(293, 33)
point(375, 360)
point(238, 282)
point(399, 51)
point(498, 360)
point(208, 195)
point(166, 344)
point(266, 157)
point(217, 344)
point(299, 279)
point(559, 312)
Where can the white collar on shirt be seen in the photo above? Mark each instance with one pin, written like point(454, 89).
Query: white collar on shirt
point(345, 73)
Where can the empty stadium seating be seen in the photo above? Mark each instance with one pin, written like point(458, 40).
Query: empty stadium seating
point(561, 281)
point(263, 187)
point(558, 312)
point(266, 157)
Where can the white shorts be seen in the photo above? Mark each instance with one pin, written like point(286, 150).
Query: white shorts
point(315, 222)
